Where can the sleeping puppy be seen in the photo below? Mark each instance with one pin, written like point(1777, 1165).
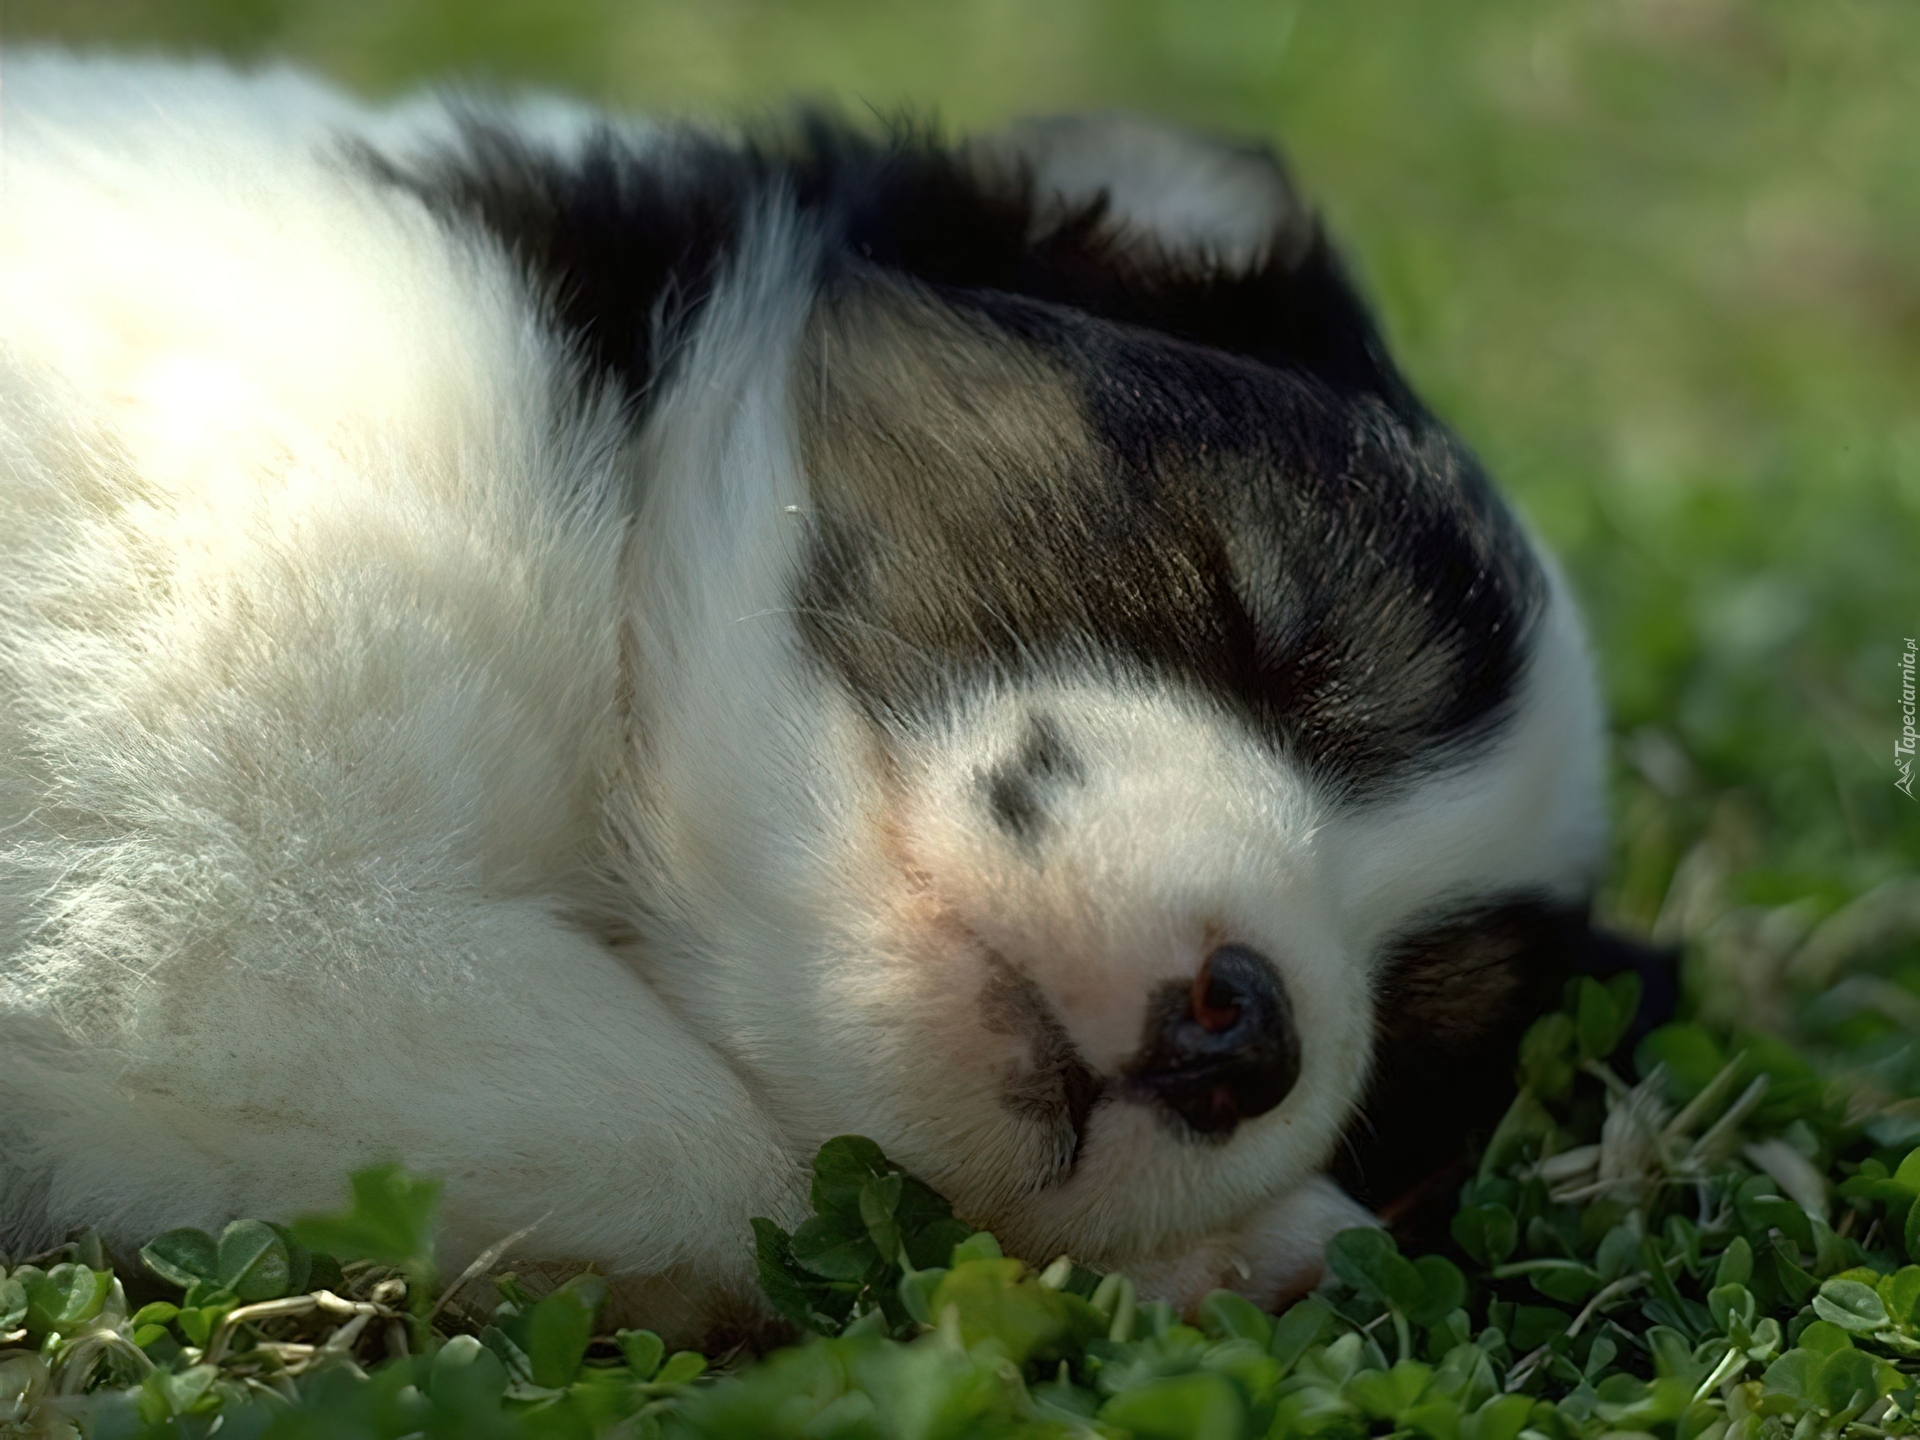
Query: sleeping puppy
point(592, 657)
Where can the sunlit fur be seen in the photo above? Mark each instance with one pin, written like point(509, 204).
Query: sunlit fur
point(408, 750)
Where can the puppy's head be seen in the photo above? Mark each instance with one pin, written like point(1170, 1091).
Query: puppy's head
point(1092, 730)
point(1218, 726)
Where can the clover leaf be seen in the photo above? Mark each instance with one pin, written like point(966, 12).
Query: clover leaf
point(390, 1220)
point(253, 1262)
point(1850, 1305)
point(64, 1298)
point(182, 1257)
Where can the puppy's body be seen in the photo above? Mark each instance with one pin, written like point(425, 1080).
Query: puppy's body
point(593, 658)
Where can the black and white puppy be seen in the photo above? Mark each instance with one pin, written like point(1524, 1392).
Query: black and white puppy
point(591, 657)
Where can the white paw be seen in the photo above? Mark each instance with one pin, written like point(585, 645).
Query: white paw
point(1276, 1256)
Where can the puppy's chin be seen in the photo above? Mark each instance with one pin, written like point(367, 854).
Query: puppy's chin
point(1139, 1193)
point(994, 1105)
point(1144, 1190)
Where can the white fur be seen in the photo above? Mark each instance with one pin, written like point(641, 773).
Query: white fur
point(310, 621)
point(395, 761)
point(1174, 191)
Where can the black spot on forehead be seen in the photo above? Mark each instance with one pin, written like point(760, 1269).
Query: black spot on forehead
point(1337, 574)
point(1017, 788)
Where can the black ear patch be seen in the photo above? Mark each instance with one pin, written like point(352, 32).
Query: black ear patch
point(626, 232)
point(1456, 996)
point(624, 237)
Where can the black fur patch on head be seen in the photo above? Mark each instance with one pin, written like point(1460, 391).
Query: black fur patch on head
point(1015, 788)
point(624, 237)
point(627, 233)
point(1368, 597)
point(1235, 491)
point(1005, 488)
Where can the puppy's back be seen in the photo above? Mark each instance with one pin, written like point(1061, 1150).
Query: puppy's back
point(308, 646)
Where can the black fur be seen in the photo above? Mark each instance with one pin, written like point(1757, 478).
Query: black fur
point(1456, 996)
point(1283, 526)
point(1015, 789)
point(1347, 584)
point(627, 236)
point(626, 245)
point(1317, 550)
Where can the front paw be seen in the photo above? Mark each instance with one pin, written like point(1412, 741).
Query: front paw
point(1275, 1257)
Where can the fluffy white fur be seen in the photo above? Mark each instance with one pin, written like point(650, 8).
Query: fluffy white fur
point(398, 761)
point(310, 623)
point(1163, 187)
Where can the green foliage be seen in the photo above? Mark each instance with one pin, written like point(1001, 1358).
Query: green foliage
point(390, 1220)
point(1651, 1262)
point(875, 1251)
point(245, 1346)
point(62, 1299)
point(1653, 260)
point(182, 1257)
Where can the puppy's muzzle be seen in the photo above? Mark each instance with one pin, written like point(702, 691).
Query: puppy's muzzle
point(1222, 1048)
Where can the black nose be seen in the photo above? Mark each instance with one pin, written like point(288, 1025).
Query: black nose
point(1222, 1048)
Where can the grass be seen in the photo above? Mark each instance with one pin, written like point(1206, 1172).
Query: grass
point(1704, 1236)
point(1653, 258)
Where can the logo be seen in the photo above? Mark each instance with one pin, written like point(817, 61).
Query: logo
point(1903, 747)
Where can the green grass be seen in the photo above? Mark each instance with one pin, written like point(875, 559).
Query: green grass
point(1707, 1236)
point(1655, 259)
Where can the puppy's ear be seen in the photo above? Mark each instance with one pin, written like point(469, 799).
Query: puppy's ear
point(1171, 231)
point(1162, 191)
point(1455, 1001)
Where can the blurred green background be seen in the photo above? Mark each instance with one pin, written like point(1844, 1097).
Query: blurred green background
point(1656, 259)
